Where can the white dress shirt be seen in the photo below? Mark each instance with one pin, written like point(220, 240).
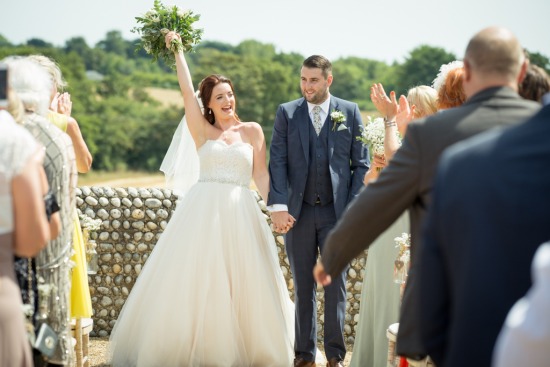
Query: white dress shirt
point(525, 337)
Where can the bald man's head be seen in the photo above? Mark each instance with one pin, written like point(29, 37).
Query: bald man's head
point(495, 52)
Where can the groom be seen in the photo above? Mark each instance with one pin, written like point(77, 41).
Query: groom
point(316, 167)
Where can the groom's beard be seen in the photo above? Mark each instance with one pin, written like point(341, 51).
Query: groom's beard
point(317, 98)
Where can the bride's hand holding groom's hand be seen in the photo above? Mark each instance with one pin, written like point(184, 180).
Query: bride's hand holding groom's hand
point(282, 221)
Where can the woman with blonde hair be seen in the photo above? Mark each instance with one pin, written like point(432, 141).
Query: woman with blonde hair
point(380, 297)
point(423, 99)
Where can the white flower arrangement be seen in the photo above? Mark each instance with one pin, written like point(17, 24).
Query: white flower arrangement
point(443, 71)
point(373, 135)
point(88, 223)
point(337, 118)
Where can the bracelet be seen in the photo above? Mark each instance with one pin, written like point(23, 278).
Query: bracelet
point(389, 123)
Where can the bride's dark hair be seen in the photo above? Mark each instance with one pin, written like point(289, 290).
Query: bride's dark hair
point(205, 91)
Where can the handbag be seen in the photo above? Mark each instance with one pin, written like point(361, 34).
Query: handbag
point(44, 342)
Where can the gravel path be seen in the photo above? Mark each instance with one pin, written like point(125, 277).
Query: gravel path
point(98, 349)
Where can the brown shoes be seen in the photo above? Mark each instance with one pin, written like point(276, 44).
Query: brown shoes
point(300, 362)
point(333, 362)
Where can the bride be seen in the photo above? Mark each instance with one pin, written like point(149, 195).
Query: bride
point(212, 292)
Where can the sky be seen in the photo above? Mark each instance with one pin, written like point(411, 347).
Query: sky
point(376, 29)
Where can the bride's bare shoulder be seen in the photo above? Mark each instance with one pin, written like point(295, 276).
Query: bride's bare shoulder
point(252, 132)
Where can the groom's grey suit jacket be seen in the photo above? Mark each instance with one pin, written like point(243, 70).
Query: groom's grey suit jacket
point(289, 158)
point(406, 184)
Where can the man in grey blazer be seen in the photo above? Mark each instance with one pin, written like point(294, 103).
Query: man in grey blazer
point(494, 64)
point(316, 167)
point(488, 217)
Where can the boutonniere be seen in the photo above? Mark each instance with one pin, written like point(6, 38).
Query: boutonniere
point(337, 118)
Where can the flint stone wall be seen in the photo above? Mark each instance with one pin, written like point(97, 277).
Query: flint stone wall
point(133, 220)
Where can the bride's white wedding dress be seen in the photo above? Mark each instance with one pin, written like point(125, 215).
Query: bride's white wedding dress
point(212, 292)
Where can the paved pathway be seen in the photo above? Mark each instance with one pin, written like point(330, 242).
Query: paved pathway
point(98, 349)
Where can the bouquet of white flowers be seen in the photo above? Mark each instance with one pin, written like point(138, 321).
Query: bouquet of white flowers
point(160, 20)
point(373, 135)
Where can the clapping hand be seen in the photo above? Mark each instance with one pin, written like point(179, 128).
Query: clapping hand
point(387, 106)
point(404, 115)
point(61, 103)
point(64, 104)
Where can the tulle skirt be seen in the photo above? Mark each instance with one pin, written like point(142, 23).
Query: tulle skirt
point(212, 292)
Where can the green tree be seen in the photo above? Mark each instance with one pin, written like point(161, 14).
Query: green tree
point(421, 67)
point(253, 48)
point(4, 42)
point(353, 78)
point(539, 59)
point(38, 43)
point(114, 43)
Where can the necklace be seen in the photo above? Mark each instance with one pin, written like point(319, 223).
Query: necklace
point(226, 132)
point(224, 135)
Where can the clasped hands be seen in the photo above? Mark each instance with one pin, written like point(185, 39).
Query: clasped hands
point(282, 221)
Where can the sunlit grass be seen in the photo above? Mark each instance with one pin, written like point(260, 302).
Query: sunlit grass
point(94, 178)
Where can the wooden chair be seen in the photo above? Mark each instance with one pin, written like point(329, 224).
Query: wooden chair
point(80, 329)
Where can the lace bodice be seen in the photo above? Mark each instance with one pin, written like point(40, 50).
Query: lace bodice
point(17, 145)
point(223, 163)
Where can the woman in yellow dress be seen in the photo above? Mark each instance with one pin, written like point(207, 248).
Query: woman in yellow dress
point(60, 115)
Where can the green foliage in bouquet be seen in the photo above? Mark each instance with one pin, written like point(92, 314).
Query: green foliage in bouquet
point(160, 20)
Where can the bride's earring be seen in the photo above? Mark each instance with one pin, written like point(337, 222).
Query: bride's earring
point(209, 111)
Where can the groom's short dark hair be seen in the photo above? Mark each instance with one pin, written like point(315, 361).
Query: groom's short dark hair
point(319, 62)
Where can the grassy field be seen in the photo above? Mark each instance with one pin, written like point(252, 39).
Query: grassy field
point(122, 179)
point(167, 97)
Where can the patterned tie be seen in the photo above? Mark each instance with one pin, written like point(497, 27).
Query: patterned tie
point(317, 124)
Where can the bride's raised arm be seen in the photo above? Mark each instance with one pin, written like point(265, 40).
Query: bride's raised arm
point(195, 120)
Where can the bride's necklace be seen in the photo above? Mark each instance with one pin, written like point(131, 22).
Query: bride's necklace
point(225, 133)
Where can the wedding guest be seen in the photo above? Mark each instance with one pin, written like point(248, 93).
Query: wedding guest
point(488, 216)
point(316, 168)
point(60, 112)
point(525, 336)
point(33, 85)
point(448, 84)
point(17, 111)
point(24, 230)
point(60, 115)
point(381, 296)
point(536, 84)
point(420, 102)
point(493, 66)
